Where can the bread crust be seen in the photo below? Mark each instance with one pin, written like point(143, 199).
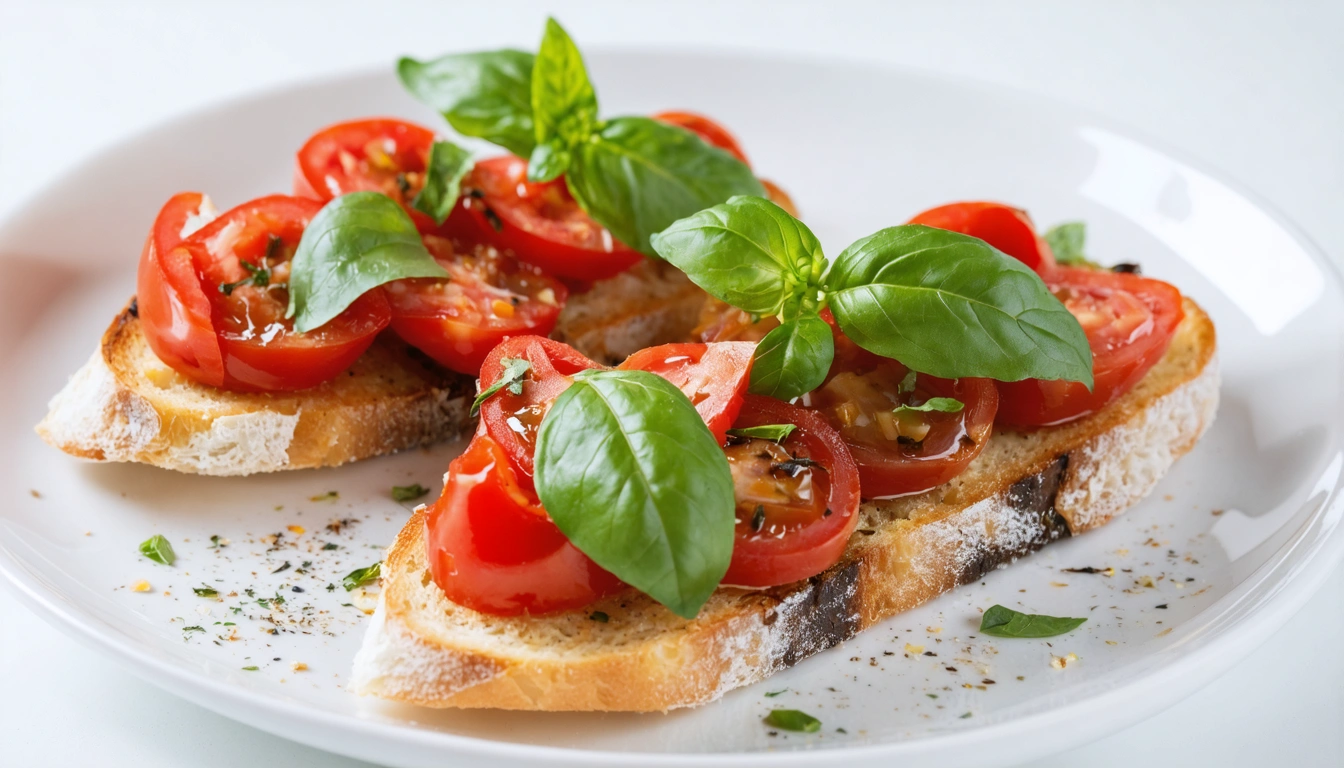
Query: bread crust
point(1024, 491)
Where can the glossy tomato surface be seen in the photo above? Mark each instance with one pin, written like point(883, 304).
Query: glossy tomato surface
point(1129, 321)
point(538, 222)
point(713, 376)
point(223, 288)
point(797, 500)
point(493, 549)
point(490, 297)
point(706, 128)
point(377, 154)
point(1004, 227)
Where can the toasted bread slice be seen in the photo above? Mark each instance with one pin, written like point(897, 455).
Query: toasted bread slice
point(126, 405)
point(1024, 491)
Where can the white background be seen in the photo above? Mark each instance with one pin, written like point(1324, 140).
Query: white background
point(1253, 89)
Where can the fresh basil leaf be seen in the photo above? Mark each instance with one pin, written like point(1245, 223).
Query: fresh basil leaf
point(356, 243)
point(487, 95)
point(361, 576)
point(636, 176)
point(951, 305)
point(515, 368)
point(632, 476)
point(747, 251)
point(1005, 622)
point(158, 549)
point(939, 404)
point(548, 161)
point(408, 492)
point(774, 432)
point(1066, 242)
point(793, 359)
point(448, 164)
point(792, 720)
point(564, 105)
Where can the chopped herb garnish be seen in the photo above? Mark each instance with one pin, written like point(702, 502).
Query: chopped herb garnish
point(193, 629)
point(1005, 622)
point(158, 549)
point(408, 492)
point(774, 432)
point(515, 368)
point(773, 694)
point(329, 546)
point(361, 576)
point(842, 730)
point(793, 720)
point(328, 496)
point(599, 616)
point(758, 518)
point(215, 542)
point(495, 222)
point(250, 669)
point(968, 714)
point(205, 590)
point(284, 567)
point(939, 404)
point(260, 276)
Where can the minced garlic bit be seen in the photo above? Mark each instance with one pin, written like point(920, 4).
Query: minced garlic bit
point(299, 666)
point(1060, 662)
point(141, 586)
point(1164, 632)
point(1058, 584)
point(1147, 581)
point(913, 650)
point(933, 630)
point(297, 530)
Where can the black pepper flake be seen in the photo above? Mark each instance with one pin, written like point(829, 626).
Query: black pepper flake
point(475, 193)
point(1163, 606)
point(827, 513)
point(930, 653)
point(950, 669)
point(987, 681)
point(793, 467)
point(599, 616)
point(1128, 268)
point(758, 518)
point(495, 222)
point(134, 309)
point(1084, 569)
point(296, 588)
point(867, 531)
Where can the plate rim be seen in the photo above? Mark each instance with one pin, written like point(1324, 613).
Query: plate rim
point(1294, 581)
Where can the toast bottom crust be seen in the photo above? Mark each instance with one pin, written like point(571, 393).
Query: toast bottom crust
point(422, 649)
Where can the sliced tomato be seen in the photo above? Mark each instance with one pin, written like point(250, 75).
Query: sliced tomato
point(713, 376)
point(712, 132)
point(1004, 227)
point(539, 223)
point(215, 320)
point(493, 549)
point(376, 154)
point(1129, 321)
point(797, 500)
point(904, 452)
point(490, 297)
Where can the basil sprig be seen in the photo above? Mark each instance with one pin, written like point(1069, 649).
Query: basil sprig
point(1000, 621)
point(448, 164)
point(942, 303)
point(1066, 241)
point(356, 243)
point(633, 175)
point(512, 377)
point(631, 475)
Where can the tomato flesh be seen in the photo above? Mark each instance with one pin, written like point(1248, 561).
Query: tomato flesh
point(713, 376)
point(378, 155)
point(797, 501)
point(492, 548)
point(1129, 321)
point(489, 298)
point(1004, 227)
point(538, 222)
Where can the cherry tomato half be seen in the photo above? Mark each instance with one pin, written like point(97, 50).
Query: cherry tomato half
point(489, 298)
point(1129, 321)
point(377, 154)
point(797, 500)
point(539, 222)
point(493, 549)
point(217, 302)
point(1006, 228)
point(713, 376)
point(712, 132)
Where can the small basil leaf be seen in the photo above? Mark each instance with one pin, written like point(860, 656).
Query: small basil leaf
point(487, 95)
point(448, 164)
point(939, 404)
point(548, 161)
point(361, 576)
point(205, 590)
point(636, 176)
point(515, 368)
point(158, 549)
point(408, 492)
point(792, 720)
point(748, 252)
point(793, 359)
point(630, 473)
point(952, 305)
point(356, 243)
point(564, 105)
point(1005, 622)
point(1066, 242)
point(773, 432)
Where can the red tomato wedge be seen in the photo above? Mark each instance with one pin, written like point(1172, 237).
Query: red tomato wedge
point(217, 300)
point(1129, 321)
point(539, 223)
point(489, 298)
point(713, 376)
point(712, 132)
point(797, 500)
point(1006, 228)
point(900, 453)
point(492, 548)
point(377, 154)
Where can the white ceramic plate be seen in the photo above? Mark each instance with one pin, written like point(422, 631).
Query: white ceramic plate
point(1233, 540)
